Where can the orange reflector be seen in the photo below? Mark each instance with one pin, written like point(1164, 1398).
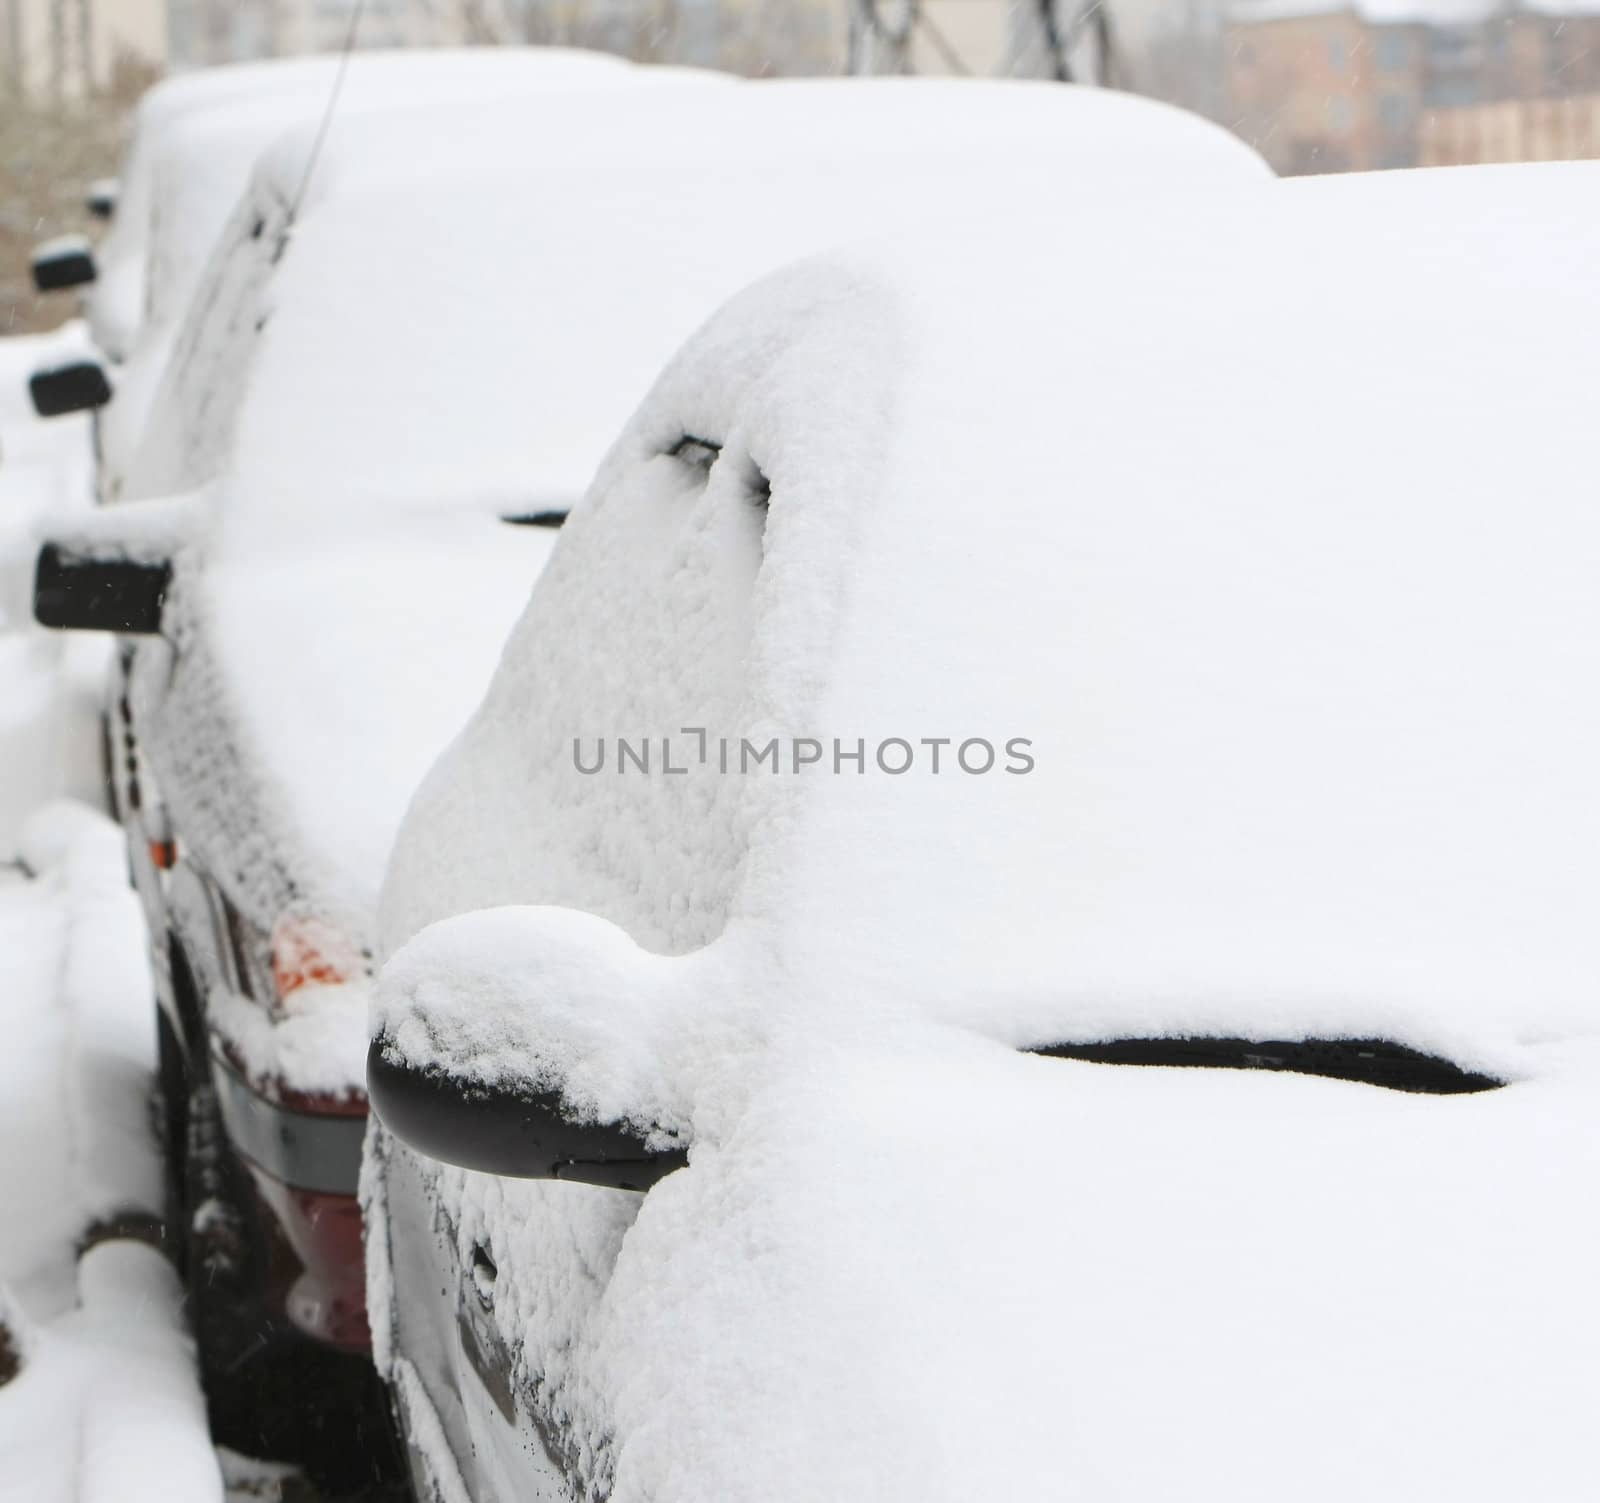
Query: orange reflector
point(164, 854)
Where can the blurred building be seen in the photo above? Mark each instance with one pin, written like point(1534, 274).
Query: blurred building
point(1515, 130)
point(960, 36)
point(1323, 87)
point(221, 31)
point(982, 38)
point(751, 36)
point(52, 51)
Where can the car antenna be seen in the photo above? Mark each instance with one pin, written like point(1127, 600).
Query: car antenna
point(327, 114)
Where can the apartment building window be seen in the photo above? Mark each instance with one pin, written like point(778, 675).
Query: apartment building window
point(1394, 110)
point(1338, 54)
point(1453, 47)
point(1340, 114)
point(1451, 92)
point(1394, 52)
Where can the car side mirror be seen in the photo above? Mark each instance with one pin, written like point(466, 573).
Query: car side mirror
point(110, 568)
point(101, 199)
point(514, 1130)
point(79, 592)
point(536, 1043)
point(62, 263)
point(76, 387)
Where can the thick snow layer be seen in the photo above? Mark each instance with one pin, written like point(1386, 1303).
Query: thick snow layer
point(1263, 521)
point(61, 245)
point(921, 1267)
point(107, 1409)
point(49, 722)
point(149, 533)
point(317, 1042)
point(980, 1275)
point(1310, 739)
point(79, 1070)
point(277, 93)
point(106, 1405)
point(206, 155)
point(191, 159)
point(552, 998)
point(400, 381)
point(599, 231)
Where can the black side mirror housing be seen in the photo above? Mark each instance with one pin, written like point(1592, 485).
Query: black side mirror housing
point(101, 199)
point(61, 389)
point(72, 592)
point(63, 264)
point(521, 1133)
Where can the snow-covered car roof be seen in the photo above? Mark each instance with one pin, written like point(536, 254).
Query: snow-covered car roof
point(1260, 520)
point(604, 234)
point(1266, 522)
point(193, 160)
point(398, 368)
point(186, 121)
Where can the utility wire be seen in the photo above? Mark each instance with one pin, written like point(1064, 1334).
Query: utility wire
point(943, 45)
point(327, 114)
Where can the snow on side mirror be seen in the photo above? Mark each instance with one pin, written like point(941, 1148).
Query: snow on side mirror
point(516, 1041)
point(511, 1129)
point(63, 263)
point(74, 592)
point(101, 198)
point(110, 569)
point(61, 389)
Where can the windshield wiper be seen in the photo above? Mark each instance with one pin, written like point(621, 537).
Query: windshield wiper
point(1368, 1061)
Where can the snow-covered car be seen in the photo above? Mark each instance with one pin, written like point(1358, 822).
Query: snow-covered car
point(195, 140)
point(216, 106)
point(981, 669)
point(371, 420)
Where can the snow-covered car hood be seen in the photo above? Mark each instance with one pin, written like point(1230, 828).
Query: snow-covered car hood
point(923, 1269)
point(908, 1263)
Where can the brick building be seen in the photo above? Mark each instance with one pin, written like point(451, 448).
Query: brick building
point(1325, 87)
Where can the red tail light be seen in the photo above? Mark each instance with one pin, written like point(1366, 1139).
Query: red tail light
point(303, 1148)
point(311, 952)
point(328, 1299)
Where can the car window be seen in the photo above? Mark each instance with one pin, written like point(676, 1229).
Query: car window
point(197, 402)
